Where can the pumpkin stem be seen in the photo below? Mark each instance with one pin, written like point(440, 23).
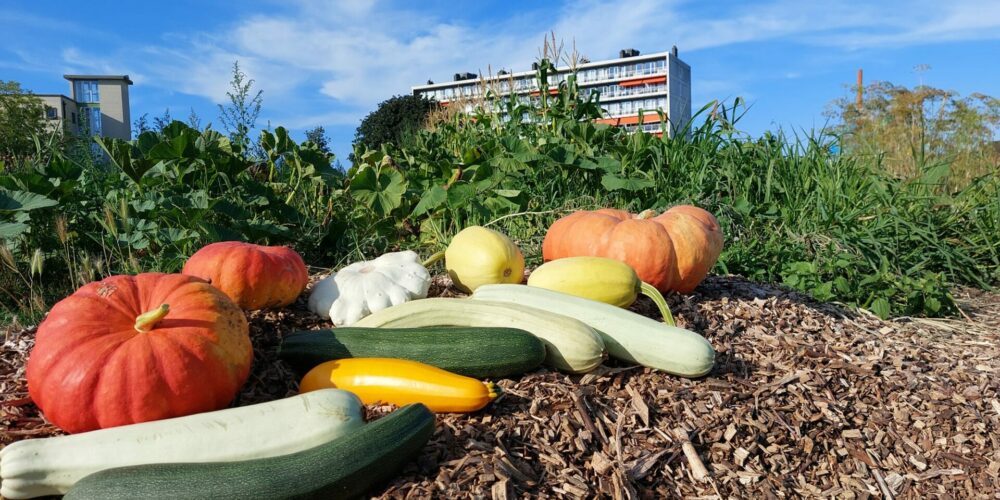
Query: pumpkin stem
point(646, 214)
point(147, 320)
point(495, 390)
point(433, 258)
point(651, 292)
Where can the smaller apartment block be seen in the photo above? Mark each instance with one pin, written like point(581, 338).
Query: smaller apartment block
point(631, 85)
point(97, 105)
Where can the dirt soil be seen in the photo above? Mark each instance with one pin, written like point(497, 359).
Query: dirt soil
point(806, 399)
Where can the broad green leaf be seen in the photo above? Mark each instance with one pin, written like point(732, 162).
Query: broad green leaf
point(508, 193)
point(509, 165)
point(19, 201)
point(460, 194)
point(9, 230)
point(430, 200)
point(218, 232)
point(880, 307)
point(381, 191)
point(498, 205)
point(612, 182)
point(126, 157)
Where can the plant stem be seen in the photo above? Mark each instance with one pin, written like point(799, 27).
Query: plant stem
point(661, 303)
point(434, 258)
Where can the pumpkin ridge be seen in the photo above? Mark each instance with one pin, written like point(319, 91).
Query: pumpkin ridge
point(112, 302)
point(183, 295)
point(177, 294)
point(159, 355)
point(95, 417)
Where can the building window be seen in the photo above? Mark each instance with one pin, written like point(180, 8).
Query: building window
point(91, 120)
point(51, 113)
point(86, 91)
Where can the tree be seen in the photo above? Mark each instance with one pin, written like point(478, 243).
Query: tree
point(393, 119)
point(240, 116)
point(22, 118)
point(317, 136)
point(912, 130)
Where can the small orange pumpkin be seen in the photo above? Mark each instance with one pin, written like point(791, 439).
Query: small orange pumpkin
point(132, 349)
point(673, 251)
point(254, 276)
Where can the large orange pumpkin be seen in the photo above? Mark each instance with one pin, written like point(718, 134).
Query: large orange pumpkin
point(254, 276)
point(131, 349)
point(672, 251)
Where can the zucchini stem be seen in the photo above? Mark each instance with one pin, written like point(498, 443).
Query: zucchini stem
point(495, 390)
point(433, 258)
point(651, 292)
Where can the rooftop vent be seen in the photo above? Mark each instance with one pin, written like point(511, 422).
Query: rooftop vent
point(628, 53)
point(430, 82)
point(503, 72)
point(674, 51)
point(464, 76)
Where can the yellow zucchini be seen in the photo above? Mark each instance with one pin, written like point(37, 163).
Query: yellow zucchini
point(570, 345)
point(401, 382)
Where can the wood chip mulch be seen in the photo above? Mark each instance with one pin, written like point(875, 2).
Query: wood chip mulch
point(806, 399)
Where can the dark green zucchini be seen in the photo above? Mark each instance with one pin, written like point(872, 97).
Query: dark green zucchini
point(473, 352)
point(343, 468)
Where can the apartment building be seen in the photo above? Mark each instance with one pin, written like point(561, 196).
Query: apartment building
point(629, 86)
point(96, 105)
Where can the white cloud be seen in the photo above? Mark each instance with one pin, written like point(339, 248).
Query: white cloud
point(343, 57)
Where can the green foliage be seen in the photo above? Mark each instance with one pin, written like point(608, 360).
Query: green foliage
point(835, 226)
point(161, 197)
point(22, 118)
point(239, 117)
point(912, 130)
point(317, 136)
point(394, 118)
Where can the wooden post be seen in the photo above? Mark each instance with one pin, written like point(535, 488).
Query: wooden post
point(860, 90)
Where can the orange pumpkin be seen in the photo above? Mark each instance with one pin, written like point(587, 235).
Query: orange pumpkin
point(673, 251)
point(132, 349)
point(254, 276)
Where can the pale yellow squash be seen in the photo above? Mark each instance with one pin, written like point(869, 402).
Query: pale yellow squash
point(597, 278)
point(481, 256)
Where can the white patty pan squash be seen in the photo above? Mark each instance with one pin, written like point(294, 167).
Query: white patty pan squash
point(368, 286)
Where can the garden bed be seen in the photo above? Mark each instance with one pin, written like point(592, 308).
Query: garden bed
point(805, 399)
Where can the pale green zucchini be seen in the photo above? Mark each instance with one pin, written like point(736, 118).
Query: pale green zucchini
point(628, 336)
point(51, 466)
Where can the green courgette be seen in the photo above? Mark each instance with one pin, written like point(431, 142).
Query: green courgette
point(343, 468)
point(473, 352)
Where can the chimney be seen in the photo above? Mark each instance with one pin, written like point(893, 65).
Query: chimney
point(673, 50)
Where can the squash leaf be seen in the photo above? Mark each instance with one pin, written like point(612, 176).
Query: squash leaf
point(22, 201)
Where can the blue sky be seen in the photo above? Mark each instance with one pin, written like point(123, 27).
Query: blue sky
point(330, 63)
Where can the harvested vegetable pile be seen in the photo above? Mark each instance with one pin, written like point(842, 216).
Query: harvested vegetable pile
point(805, 399)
